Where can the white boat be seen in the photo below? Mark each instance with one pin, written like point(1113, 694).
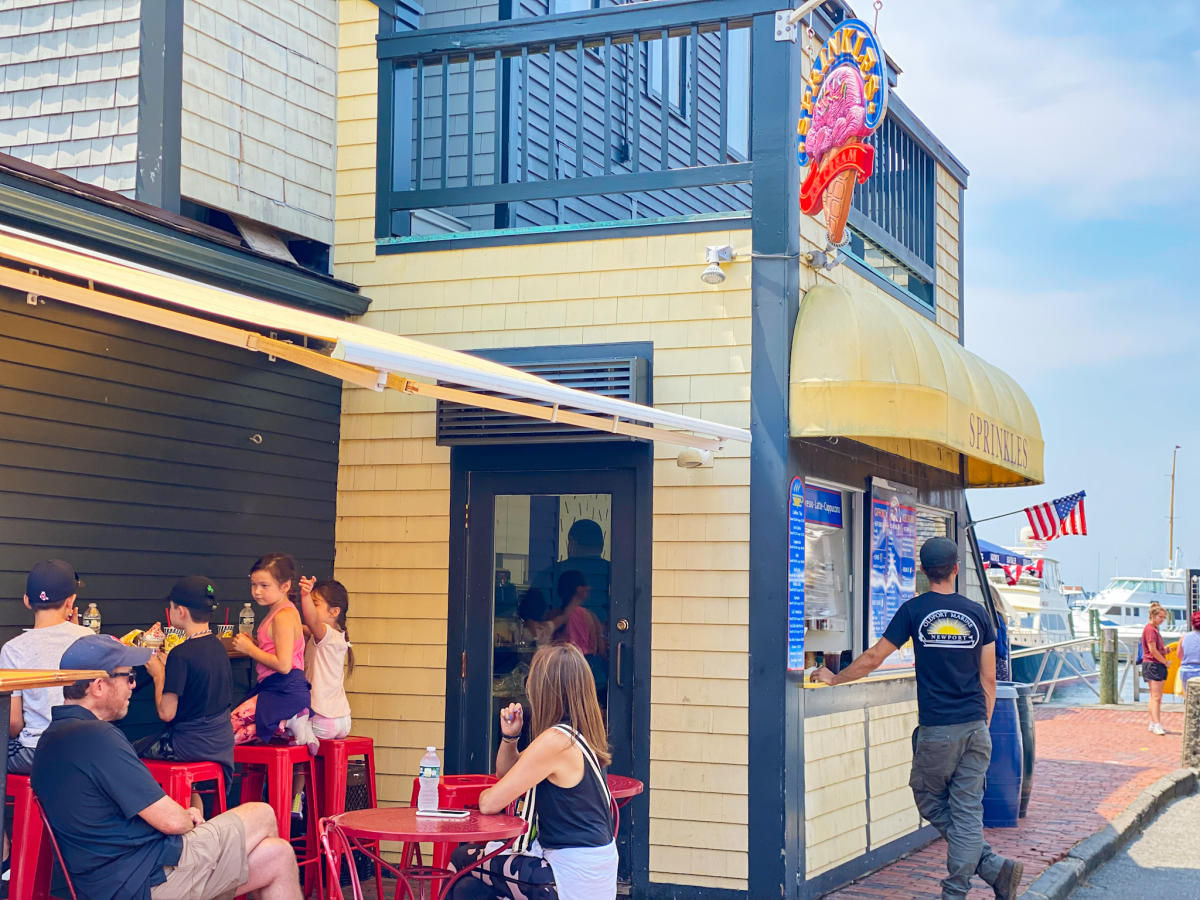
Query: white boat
point(1029, 584)
point(1125, 604)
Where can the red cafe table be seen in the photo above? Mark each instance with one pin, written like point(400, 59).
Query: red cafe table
point(362, 829)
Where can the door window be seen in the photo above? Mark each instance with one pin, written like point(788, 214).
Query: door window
point(552, 573)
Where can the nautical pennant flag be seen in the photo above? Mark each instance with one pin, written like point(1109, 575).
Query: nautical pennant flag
point(1057, 518)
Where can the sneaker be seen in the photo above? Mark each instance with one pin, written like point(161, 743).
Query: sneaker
point(1009, 881)
point(1150, 727)
point(1158, 729)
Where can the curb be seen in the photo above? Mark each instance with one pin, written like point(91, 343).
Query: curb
point(1058, 881)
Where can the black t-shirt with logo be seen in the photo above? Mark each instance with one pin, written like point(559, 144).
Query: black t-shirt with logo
point(198, 672)
point(949, 633)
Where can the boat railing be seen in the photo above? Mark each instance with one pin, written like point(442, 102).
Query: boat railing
point(1058, 656)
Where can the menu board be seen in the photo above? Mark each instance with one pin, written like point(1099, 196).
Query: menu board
point(795, 636)
point(893, 561)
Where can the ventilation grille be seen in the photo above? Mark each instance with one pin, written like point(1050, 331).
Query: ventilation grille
point(624, 379)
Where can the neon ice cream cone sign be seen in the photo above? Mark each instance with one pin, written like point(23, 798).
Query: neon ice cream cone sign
point(844, 100)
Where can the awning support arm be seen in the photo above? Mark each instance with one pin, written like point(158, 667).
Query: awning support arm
point(353, 373)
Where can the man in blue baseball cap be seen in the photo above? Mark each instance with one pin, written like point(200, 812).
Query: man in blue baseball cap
point(954, 643)
point(120, 835)
point(50, 592)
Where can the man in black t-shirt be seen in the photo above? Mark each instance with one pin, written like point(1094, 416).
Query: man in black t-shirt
point(954, 642)
point(192, 690)
point(121, 837)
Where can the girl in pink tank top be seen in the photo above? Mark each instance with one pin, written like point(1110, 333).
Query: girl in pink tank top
point(281, 696)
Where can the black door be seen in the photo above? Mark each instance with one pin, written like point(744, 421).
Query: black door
point(534, 538)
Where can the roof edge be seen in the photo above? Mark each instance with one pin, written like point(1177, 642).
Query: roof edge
point(46, 208)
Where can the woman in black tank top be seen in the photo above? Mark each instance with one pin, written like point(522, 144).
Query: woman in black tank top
point(569, 852)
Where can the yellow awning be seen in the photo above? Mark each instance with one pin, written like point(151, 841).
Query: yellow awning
point(868, 368)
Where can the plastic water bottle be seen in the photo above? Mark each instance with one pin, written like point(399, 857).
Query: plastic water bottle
point(430, 773)
point(91, 618)
point(246, 619)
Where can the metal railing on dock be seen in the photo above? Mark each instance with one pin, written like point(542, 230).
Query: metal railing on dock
point(1061, 654)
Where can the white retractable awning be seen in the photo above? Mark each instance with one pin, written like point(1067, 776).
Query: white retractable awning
point(361, 355)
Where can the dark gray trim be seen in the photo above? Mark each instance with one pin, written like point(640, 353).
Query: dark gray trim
point(881, 236)
point(776, 789)
point(886, 284)
point(515, 356)
point(635, 458)
point(659, 891)
point(517, 237)
point(674, 15)
point(517, 191)
point(857, 695)
point(868, 862)
point(160, 102)
point(76, 219)
point(962, 305)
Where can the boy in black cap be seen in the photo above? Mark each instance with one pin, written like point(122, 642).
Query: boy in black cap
point(192, 690)
point(955, 646)
point(121, 837)
point(50, 592)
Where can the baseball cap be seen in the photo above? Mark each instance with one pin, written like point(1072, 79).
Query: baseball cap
point(938, 551)
point(194, 592)
point(1196, 619)
point(102, 651)
point(51, 581)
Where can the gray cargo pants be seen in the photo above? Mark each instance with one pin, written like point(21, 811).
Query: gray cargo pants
point(949, 766)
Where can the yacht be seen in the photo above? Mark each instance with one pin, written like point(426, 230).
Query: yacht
point(1028, 583)
point(1125, 604)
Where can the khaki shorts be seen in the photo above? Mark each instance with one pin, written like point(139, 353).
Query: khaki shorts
point(213, 863)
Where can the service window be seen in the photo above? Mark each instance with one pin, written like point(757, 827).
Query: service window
point(828, 568)
point(931, 522)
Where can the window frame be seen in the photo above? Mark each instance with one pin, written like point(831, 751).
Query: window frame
point(683, 77)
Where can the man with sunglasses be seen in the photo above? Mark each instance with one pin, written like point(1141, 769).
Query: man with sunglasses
point(120, 835)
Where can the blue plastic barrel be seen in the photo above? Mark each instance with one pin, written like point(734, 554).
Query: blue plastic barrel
point(1002, 796)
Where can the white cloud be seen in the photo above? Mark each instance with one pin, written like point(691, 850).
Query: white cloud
point(1032, 99)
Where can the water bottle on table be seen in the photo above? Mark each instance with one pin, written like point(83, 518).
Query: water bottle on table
point(430, 773)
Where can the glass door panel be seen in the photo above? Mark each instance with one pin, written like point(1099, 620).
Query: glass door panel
point(552, 569)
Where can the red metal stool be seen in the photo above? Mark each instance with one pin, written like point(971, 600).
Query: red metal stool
point(29, 877)
point(333, 762)
point(177, 778)
point(277, 763)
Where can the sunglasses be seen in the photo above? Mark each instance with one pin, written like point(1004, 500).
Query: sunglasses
point(131, 676)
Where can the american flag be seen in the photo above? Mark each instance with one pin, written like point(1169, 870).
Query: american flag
point(1057, 518)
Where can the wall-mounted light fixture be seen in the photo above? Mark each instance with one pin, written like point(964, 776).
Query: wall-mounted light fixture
point(694, 458)
point(714, 256)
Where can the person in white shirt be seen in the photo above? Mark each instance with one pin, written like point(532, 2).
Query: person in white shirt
point(327, 655)
point(50, 592)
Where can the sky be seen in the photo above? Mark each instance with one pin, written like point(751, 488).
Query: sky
point(1080, 125)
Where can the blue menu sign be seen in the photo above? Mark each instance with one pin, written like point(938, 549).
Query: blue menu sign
point(796, 575)
point(823, 506)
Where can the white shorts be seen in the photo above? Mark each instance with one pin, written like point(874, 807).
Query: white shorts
point(327, 729)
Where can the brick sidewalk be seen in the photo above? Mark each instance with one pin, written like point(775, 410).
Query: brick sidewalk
point(1091, 763)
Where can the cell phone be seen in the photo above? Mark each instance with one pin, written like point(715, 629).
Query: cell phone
point(444, 813)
